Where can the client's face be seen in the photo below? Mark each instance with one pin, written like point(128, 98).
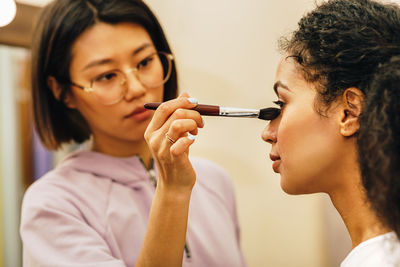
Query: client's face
point(304, 143)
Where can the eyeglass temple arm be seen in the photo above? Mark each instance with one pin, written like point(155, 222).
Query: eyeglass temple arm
point(86, 89)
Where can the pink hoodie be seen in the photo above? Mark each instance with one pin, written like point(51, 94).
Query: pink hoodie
point(92, 210)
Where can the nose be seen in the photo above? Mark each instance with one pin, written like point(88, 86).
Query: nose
point(269, 134)
point(134, 87)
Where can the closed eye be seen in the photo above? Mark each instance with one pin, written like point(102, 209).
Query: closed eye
point(281, 104)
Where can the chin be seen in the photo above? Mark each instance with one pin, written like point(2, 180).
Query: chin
point(132, 136)
point(296, 188)
point(291, 191)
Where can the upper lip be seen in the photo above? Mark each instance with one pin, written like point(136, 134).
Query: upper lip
point(136, 110)
point(274, 157)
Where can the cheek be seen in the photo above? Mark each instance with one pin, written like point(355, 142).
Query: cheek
point(155, 94)
point(97, 115)
point(99, 118)
point(306, 143)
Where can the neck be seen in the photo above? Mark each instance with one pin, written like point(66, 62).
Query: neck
point(125, 149)
point(351, 202)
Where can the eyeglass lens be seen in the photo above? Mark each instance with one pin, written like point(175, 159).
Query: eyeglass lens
point(153, 71)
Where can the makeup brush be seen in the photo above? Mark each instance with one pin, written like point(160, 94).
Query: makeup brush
point(213, 110)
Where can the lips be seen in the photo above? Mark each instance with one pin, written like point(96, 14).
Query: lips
point(276, 162)
point(139, 114)
point(274, 157)
point(135, 111)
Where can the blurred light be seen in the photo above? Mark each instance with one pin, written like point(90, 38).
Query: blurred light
point(8, 10)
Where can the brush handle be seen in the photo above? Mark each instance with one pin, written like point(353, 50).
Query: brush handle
point(208, 110)
point(212, 110)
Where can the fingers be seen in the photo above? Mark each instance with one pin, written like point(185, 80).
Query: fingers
point(182, 145)
point(179, 136)
point(172, 121)
point(166, 109)
point(177, 123)
point(169, 135)
point(179, 120)
point(184, 95)
point(179, 128)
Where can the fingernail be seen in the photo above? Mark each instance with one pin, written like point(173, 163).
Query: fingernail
point(192, 100)
point(191, 136)
point(204, 123)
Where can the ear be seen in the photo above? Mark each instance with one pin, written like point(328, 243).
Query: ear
point(351, 108)
point(57, 91)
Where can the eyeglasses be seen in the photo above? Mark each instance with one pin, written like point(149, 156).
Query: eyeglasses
point(110, 88)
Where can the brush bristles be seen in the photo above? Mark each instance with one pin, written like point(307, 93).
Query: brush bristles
point(269, 113)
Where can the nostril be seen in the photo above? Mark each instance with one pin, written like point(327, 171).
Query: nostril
point(269, 136)
point(271, 140)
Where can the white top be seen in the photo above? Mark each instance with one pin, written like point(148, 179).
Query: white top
point(380, 251)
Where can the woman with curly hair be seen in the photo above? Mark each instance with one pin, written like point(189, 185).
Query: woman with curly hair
point(379, 144)
point(321, 82)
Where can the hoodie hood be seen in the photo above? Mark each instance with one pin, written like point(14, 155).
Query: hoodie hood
point(125, 170)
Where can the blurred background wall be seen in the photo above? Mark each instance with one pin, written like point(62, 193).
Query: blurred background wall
point(226, 53)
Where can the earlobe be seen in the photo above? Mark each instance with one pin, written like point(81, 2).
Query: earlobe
point(351, 108)
point(57, 91)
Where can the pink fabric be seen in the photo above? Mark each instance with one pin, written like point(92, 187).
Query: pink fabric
point(92, 210)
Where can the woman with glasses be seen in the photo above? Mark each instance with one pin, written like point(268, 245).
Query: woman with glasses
point(94, 65)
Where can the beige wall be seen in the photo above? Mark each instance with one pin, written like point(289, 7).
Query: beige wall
point(1, 197)
point(226, 53)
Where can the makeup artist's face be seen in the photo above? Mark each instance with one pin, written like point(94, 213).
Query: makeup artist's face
point(101, 49)
point(305, 145)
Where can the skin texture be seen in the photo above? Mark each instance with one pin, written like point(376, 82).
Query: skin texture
point(314, 148)
point(118, 133)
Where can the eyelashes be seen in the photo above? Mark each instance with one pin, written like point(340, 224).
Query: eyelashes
point(281, 104)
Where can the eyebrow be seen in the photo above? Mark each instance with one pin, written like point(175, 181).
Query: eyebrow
point(280, 84)
point(109, 60)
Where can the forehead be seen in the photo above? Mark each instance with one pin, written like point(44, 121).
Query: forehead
point(108, 40)
point(288, 68)
point(289, 73)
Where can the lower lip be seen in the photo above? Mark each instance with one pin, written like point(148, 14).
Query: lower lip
point(275, 165)
point(141, 116)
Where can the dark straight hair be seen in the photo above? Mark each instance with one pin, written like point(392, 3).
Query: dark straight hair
point(60, 24)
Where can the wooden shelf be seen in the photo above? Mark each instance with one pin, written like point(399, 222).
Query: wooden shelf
point(19, 31)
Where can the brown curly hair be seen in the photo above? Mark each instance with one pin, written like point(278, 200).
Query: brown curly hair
point(341, 42)
point(379, 143)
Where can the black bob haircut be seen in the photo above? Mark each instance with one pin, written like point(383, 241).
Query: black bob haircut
point(60, 24)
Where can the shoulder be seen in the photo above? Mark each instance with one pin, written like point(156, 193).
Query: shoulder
point(64, 190)
point(68, 204)
point(57, 183)
point(383, 250)
point(64, 180)
point(74, 173)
